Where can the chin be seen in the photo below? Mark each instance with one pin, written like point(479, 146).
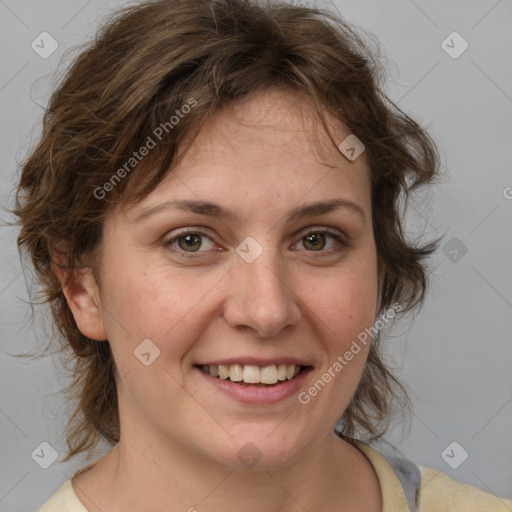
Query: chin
point(257, 449)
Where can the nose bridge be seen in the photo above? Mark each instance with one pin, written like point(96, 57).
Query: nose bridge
point(260, 297)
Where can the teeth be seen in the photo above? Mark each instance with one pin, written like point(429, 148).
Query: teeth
point(251, 374)
point(223, 371)
point(235, 373)
point(269, 374)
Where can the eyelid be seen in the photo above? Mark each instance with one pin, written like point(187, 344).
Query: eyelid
point(324, 229)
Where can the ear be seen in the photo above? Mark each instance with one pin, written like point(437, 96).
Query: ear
point(82, 295)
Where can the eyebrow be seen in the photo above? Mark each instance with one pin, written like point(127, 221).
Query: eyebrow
point(216, 210)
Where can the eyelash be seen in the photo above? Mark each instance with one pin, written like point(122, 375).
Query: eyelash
point(336, 236)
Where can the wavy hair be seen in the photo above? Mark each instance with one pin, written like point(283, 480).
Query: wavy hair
point(145, 63)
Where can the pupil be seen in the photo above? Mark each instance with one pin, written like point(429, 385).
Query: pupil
point(190, 241)
point(316, 237)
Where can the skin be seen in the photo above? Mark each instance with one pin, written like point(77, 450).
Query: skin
point(179, 437)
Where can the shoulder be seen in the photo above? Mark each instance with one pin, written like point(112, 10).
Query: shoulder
point(64, 500)
point(440, 493)
point(410, 487)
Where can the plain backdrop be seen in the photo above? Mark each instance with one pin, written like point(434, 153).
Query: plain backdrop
point(455, 355)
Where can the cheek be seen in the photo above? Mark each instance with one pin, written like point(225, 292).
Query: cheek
point(345, 301)
point(167, 308)
point(345, 306)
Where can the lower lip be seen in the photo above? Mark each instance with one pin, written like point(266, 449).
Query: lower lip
point(258, 395)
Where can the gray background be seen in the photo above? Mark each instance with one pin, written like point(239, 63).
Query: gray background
point(456, 353)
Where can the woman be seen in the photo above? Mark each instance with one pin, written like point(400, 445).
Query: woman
point(213, 212)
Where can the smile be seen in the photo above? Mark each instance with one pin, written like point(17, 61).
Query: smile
point(252, 374)
point(252, 384)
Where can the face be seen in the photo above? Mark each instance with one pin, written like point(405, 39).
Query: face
point(273, 284)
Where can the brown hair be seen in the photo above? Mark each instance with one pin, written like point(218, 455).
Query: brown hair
point(146, 64)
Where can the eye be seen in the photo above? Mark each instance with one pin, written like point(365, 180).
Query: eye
point(189, 241)
point(317, 240)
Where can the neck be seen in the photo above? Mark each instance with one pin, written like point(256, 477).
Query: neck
point(142, 474)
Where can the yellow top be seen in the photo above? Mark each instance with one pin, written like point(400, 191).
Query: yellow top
point(438, 492)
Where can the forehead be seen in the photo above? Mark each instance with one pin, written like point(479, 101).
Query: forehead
point(271, 124)
point(269, 147)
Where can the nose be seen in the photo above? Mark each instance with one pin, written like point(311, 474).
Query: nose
point(261, 297)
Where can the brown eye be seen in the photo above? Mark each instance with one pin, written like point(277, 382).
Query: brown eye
point(321, 241)
point(190, 242)
point(314, 241)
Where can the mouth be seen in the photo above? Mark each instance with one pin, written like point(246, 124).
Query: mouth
point(250, 375)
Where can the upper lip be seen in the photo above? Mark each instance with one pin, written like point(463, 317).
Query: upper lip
point(256, 361)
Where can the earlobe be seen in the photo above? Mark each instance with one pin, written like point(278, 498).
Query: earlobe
point(82, 295)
